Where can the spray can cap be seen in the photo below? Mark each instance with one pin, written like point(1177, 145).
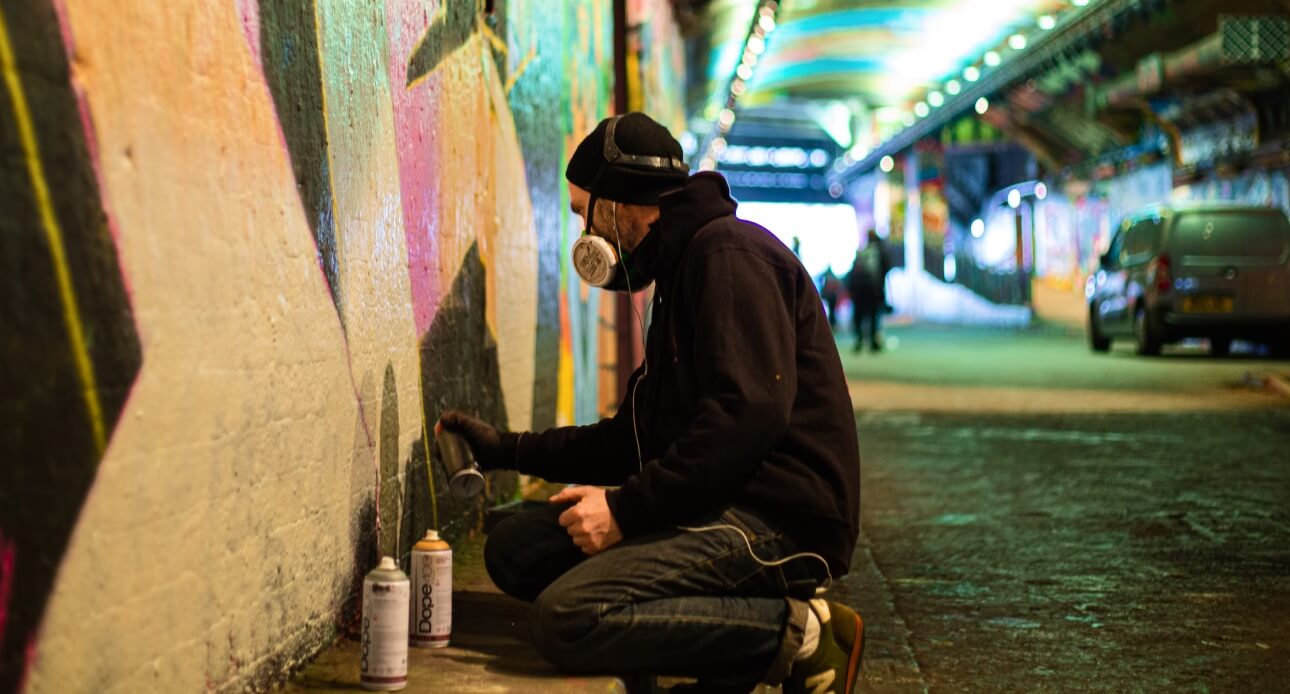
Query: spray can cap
point(387, 564)
point(432, 535)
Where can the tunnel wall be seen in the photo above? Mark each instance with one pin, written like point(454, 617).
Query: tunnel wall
point(252, 249)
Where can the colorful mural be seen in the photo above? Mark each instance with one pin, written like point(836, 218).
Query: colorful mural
point(71, 350)
point(656, 63)
point(253, 250)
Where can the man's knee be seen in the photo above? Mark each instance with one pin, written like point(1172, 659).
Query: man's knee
point(563, 626)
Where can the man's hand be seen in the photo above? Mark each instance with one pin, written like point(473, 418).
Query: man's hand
point(485, 441)
point(589, 521)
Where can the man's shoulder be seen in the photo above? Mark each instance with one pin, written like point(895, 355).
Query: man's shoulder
point(729, 233)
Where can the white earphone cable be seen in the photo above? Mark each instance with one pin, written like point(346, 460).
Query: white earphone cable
point(828, 582)
point(640, 461)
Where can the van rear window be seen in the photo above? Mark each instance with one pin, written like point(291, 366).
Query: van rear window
point(1239, 233)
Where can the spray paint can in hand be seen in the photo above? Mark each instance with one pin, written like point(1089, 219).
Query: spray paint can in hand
point(431, 623)
point(384, 655)
point(465, 480)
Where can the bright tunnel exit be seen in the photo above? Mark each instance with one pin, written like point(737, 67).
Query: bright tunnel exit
point(828, 234)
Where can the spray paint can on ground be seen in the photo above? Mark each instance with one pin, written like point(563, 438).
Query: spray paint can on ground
point(431, 622)
point(384, 655)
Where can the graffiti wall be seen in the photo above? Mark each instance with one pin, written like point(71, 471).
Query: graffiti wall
point(656, 63)
point(252, 249)
point(1073, 229)
point(1270, 188)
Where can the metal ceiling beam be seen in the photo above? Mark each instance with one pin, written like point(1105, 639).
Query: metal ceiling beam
point(1240, 41)
point(1071, 35)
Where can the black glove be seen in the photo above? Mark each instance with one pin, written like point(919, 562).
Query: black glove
point(486, 442)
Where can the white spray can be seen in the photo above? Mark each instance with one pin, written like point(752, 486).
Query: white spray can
point(383, 662)
point(431, 622)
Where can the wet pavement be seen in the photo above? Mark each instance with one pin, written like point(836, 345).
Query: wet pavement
point(1044, 519)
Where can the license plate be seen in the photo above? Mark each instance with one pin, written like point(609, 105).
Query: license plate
point(1207, 304)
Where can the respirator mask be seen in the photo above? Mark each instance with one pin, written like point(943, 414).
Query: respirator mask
point(608, 265)
point(597, 261)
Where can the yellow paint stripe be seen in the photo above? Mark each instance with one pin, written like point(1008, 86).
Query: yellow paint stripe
point(520, 70)
point(425, 438)
point(54, 235)
point(498, 44)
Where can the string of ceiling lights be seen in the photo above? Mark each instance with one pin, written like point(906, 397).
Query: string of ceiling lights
point(983, 78)
point(1017, 42)
point(763, 24)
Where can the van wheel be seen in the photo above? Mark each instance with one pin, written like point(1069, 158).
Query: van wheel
point(1145, 339)
point(1220, 346)
point(1096, 340)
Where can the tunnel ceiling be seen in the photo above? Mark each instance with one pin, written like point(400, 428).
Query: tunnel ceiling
point(875, 75)
point(878, 54)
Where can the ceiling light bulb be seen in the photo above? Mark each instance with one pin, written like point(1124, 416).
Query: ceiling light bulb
point(726, 117)
point(756, 45)
point(1017, 41)
point(935, 99)
point(982, 105)
point(1014, 198)
point(953, 87)
point(971, 73)
point(992, 59)
point(907, 120)
point(767, 23)
point(887, 164)
point(1079, 3)
point(921, 109)
point(978, 228)
point(1047, 22)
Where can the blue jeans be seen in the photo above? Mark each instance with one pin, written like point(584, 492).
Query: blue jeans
point(674, 603)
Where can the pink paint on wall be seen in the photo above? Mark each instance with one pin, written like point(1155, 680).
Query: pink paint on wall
point(248, 11)
point(6, 582)
point(416, 125)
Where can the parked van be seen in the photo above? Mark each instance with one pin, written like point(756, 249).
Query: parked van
point(1213, 271)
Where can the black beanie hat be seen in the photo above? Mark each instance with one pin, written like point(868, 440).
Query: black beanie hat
point(635, 133)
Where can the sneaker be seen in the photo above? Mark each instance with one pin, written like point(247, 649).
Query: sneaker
point(834, 667)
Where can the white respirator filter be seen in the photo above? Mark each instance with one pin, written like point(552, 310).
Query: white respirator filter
point(595, 260)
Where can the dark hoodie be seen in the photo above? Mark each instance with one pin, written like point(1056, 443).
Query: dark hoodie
point(743, 403)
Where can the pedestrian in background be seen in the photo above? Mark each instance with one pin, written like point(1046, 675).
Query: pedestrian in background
point(831, 292)
point(867, 283)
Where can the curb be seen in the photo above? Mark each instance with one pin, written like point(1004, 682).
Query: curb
point(1275, 383)
point(1278, 383)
